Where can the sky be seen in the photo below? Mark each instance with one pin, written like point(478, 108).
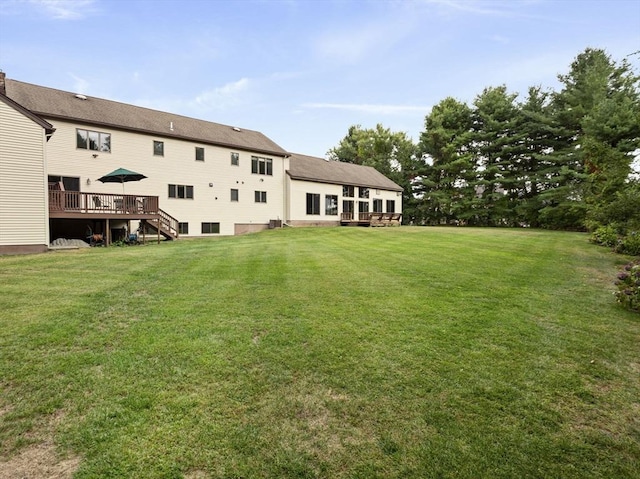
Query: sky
point(303, 71)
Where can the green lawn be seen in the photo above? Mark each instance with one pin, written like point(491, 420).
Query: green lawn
point(336, 352)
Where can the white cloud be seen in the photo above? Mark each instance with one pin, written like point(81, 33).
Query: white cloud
point(64, 9)
point(354, 42)
point(500, 39)
point(482, 7)
point(350, 46)
point(369, 108)
point(80, 84)
point(223, 97)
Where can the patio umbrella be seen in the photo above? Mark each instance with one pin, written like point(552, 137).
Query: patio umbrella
point(121, 175)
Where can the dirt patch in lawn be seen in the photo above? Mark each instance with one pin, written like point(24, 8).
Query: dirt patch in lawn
point(38, 461)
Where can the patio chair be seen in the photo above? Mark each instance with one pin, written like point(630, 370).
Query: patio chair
point(97, 202)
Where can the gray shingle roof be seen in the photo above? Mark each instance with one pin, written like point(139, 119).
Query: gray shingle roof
point(311, 168)
point(57, 104)
point(29, 114)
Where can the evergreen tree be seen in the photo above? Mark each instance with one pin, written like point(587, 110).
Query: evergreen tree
point(445, 144)
point(495, 141)
point(600, 108)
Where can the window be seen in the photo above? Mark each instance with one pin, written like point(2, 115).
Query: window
point(377, 206)
point(158, 148)
point(261, 196)
point(199, 153)
point(347, 206)
point(69, 183)
point(183, 228)
point(181, 191)
point(210, 228)
point(331, 205)
point(363, 206)
point(363, 192)
point(93, 140)
point(235, 159)
point(391, 206)
point(261, 166)
point(234, 194)
point(347, 191)
point(313, 204)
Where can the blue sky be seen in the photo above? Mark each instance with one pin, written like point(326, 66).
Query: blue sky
point(302, 72)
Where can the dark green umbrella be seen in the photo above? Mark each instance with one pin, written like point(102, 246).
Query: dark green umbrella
point(121, 176)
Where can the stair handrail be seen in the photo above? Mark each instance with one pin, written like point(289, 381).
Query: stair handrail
point(168, 222)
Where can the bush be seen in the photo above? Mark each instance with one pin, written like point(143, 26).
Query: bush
point(628, 284)
point(605, 236)
point(629, 244)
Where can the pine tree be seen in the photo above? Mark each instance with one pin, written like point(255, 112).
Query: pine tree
point(446, 180)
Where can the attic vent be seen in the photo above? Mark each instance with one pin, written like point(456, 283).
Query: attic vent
point(235, 128)
point(80, 97)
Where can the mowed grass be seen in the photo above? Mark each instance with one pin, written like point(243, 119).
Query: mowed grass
point(333, 353)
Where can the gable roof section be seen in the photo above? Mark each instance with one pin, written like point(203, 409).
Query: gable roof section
point(58, 104)
point(311, 168)
point(48, 127)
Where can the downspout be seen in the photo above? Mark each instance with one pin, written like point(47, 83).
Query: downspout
point(285, 191)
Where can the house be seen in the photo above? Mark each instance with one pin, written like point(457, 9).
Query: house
point(330, 193)
point(24, 223)
point(202, 178)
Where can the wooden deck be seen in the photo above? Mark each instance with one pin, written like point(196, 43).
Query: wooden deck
point(371, 219)
point(76, 204)
point(104, 206)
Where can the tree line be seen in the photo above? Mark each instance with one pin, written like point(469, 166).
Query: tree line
point(553, 159)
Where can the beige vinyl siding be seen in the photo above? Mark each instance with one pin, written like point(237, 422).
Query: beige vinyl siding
point(298, 204)
point(23, 187)
point(178, 166)
point(298, 189)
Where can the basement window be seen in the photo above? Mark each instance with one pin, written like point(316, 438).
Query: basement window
point(210, 228)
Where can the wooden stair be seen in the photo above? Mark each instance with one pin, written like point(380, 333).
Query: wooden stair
point(166, 225)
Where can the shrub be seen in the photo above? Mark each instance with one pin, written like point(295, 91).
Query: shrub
point(629, 244)
point(628, 284)
point(605, 236)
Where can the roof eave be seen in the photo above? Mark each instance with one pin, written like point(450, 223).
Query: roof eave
point(164, 134)
point(293, 176)
point(35, 117)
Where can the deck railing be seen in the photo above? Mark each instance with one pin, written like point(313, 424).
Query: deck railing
point(349, 216)
point(81, 202)
point(371, 218)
